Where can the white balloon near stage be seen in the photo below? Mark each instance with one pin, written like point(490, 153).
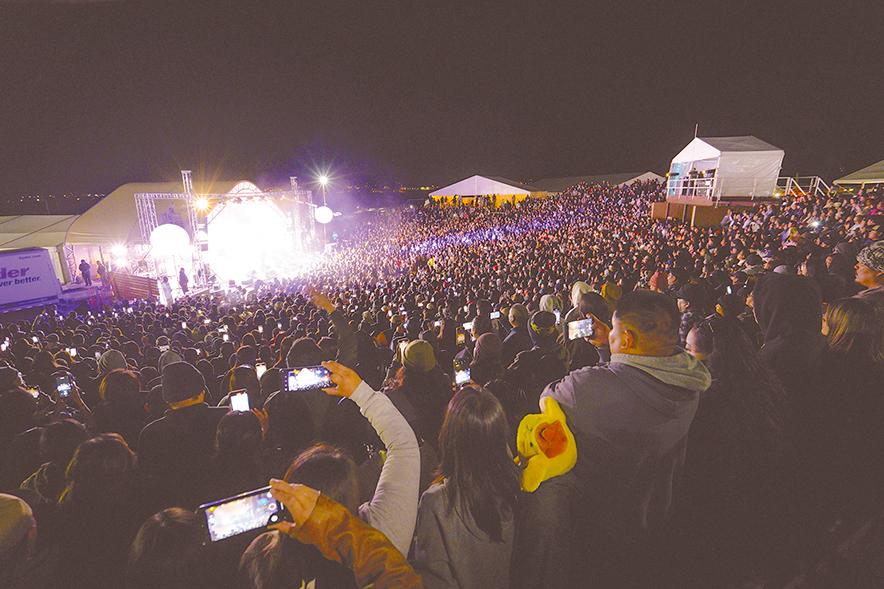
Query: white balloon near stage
point(324, 215)
point(170, 240)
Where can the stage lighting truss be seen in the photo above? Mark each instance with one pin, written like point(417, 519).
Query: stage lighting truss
point(202, 208)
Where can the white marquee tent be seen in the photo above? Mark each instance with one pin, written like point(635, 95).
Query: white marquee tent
point(873, 174)
point(43, 231)
point(713, 168)
point(484, 186)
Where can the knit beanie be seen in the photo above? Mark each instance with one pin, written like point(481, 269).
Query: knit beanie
point(166, 358)
point(489, 348)
point(873, 256)
point(181, 381)
point(418, 355)
point(16, 521)
point(112, 360)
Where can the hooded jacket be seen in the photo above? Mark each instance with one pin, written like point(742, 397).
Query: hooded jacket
point(788, 309)
point(631, 419)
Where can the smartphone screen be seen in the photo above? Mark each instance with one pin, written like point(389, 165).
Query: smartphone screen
point(437, 324)
point(226, 337)
point(239, 401)
point(558, 316)
point(35, 339)
point(461, 338)
point(34, 393)
point(63, 385)
point(461, 376)
point(72, 352)
point(98, 355)
point(206, 321)
point(579, 329)
point(235, 515)
point(279, 326)
point(184, 325)
point(495, 315)
point(307, 378)
point(260, 329)
point(260, 369)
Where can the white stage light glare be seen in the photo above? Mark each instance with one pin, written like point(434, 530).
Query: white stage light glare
point(323, 179)
point(324, 215)
point(169, 240)
point(202, 204)
point(250, 240)
point(118, 251)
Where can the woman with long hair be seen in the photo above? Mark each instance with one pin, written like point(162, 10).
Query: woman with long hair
point(736, 448)
point(466, 526)
point(851, 440)
point(98, 515)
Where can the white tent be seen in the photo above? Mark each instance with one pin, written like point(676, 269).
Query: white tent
point(873, 174)
point(713, 168)
point(500, 189)
point(31, 231)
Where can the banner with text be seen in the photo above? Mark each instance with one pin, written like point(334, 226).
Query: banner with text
point(27, 279)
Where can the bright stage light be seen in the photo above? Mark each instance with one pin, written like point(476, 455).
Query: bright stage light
point(324, 215)
point(169, 240)
point(250, 240)
point(118, 251)
point(201, 204)
point(323, 180)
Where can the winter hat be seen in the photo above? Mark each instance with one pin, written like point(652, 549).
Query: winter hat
point(611, 292)
point(543, 324)
point(112, 360)
point(166, 358)
point(578, 289)
point(692, 293)
point(16, 521)
point(418, 355)
point(489, 347)
point(754, 260)
point(550, 303)
point(873, 256)
point(181, 381)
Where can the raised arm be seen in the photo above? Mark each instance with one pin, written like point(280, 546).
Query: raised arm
point(342, 537)
point(393, 508)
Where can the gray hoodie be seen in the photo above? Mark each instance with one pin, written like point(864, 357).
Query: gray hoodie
point(631, 419)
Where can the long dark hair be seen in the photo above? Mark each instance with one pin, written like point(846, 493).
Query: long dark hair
point(481, 476)
point(755, 396)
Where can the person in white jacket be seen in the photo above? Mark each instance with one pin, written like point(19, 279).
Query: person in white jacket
point(392, 509)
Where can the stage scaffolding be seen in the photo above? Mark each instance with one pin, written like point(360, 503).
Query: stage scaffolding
point(302, 218)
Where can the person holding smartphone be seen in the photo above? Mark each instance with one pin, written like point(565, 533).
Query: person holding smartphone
point(393, 506)
point(594, 349)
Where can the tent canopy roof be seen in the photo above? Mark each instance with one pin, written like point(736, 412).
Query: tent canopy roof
point(560, 184)
point(29, 231)
point(483, 186)
point(701, 148)
point(873, 174)
point(114, 218)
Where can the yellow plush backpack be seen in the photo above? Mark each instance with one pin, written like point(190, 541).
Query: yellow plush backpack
point(546, 445)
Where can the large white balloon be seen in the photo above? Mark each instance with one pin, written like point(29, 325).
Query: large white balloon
point(169, 240)
point(324, 215)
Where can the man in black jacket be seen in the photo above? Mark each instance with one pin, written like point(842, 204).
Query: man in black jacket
point(174, 451)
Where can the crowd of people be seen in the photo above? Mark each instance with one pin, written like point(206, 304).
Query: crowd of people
point(724, 406)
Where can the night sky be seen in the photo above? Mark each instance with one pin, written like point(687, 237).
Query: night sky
point(96, 94)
